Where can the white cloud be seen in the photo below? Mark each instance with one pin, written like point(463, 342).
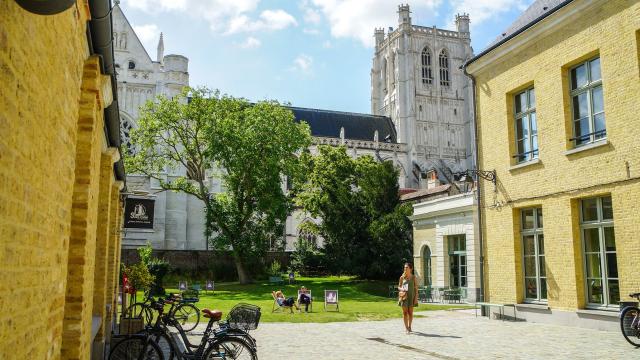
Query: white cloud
point(303, 63)
point(312, 16)
point(225, 16)
point(149, 35)
point(269, 20)
point(358, 18)
point(327, 44)
point(250, 43)
point(481, 10)
point(311, 31)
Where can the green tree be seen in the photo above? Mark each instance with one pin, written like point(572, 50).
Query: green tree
point(364, 225)
point(251, 147)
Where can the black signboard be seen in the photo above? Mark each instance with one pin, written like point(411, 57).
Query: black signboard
point(138, 213)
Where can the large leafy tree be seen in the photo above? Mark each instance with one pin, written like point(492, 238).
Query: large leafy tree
point(251, 147)
point(364, 225)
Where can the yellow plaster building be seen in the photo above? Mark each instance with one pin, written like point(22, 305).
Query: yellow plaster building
point(60, 179)
point(557, 107)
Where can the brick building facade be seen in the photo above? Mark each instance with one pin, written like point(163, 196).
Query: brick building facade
point(557, 105)
point(60, 180)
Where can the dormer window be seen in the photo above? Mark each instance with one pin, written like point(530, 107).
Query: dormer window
point(132, 65)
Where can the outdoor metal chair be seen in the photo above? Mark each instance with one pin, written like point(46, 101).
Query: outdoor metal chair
point(277, 307)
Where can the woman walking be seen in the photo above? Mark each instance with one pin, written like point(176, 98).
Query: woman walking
point(407, 295)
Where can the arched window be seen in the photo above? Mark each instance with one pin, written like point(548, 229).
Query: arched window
point(392, 73)
point(304, 234)
point(444, 68)
point(426, 265)
point(427, 75)
point(383, 75)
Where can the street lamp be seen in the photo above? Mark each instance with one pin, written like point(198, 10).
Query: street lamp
point(489, 175)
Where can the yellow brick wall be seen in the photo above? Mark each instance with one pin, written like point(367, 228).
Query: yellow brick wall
point(608, 29)
point(43, 108)
point(424, 235)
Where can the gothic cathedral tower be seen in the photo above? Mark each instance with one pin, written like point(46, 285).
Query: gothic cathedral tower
point(416, 80)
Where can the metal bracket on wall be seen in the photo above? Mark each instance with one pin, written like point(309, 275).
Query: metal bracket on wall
point(489, 175)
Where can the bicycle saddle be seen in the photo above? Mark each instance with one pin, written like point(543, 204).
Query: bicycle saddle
point(212, 314)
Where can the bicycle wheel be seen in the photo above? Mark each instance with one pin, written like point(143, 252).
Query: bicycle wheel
point(140, 310)
point(163, 342)
point(230, 348)
point(630, 325)
point(188, 316)
point(136, 348)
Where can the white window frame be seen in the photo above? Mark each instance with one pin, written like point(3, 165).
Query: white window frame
point(536, 232)
point(533, 153)
point(462, 238)
point(588, 89)
point(600, 224)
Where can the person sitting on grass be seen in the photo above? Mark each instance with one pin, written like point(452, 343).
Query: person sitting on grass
point(282, 301)
point(305, 298)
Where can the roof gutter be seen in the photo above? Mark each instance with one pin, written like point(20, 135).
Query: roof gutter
point(518, 32)
point(101, 30)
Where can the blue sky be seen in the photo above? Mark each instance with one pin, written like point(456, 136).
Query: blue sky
point(310, 53)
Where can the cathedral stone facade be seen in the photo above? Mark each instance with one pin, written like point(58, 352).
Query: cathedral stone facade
point(178, 222)
point(416, 80)
point(420, 121)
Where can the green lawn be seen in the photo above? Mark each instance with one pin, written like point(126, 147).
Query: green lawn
point(359, 300)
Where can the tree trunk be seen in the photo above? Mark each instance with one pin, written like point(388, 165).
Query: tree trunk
point(242, 274)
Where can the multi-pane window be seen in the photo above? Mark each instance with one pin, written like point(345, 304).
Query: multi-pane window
point(535, 274)
point(587, 105)
point(444, 68)
point(426, 258)
point(457, 261)
point(526, 127)
point(599, 244)
point(427, 75)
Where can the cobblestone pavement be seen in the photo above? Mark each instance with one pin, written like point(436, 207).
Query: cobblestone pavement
point(438, 335)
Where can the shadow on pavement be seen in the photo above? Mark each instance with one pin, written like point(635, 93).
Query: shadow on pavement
point(434, 335)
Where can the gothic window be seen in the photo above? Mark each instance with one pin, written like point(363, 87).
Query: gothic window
point(444, 68)
point(392, 73)
point(306, 235)
point(123, 40)
point(427, 75)
point(383, 77)
point(125, 135)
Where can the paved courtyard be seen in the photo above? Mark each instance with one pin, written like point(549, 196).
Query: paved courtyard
point(438, 335)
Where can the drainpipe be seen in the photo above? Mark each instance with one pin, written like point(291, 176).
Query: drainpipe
point(475, 163)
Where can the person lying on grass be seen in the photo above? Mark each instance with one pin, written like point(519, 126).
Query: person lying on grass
point(282, 301)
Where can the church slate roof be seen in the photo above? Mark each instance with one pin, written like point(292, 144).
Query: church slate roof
point(327, 123)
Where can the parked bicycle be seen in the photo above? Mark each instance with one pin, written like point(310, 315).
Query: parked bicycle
point(186, 312)
point(241, 319)
point(221, 343)
point(630, 322)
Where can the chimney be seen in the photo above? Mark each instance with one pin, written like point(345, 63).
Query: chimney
point(432, 179)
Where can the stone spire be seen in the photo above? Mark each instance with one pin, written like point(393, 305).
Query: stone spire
point(160, 49)
point(116, 3)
